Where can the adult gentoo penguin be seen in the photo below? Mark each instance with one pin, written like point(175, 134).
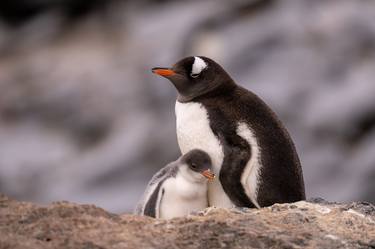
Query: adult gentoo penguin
point(179, 188)
point(251, 150)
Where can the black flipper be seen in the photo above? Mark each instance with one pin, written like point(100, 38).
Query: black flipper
point(151, 205)
point(237, 153)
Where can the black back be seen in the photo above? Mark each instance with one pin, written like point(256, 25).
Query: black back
point(280, 177)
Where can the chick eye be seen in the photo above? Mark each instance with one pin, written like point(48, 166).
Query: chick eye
point(194, 75)
point(193, 165)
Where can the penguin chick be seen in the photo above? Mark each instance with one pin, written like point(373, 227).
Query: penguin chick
point(179, 188)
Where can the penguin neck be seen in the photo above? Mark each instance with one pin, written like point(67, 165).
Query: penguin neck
point(189, 188)
point(214, 90)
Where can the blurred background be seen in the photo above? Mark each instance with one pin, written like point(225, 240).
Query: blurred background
point(83, 119)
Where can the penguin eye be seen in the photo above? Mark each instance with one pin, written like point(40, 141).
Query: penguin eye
point(193, 165)
point(194, 75)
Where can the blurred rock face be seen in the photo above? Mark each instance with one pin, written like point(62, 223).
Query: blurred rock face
point(83, 119)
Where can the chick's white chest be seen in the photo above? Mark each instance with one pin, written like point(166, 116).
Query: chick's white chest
point(181, 197)
point(194, 132)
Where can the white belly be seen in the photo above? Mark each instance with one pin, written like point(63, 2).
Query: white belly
point(180, 198)
point(194, 132)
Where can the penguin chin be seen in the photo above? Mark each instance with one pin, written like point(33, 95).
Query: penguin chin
point(198, 178)
point(186, 89)
point(192, 176)
point(180, 83)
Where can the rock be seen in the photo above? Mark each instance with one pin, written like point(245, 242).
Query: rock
point(295, 225)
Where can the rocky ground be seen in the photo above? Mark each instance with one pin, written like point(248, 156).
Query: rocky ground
point(297, 225)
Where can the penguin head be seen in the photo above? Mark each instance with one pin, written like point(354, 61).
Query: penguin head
point(198, 165)
point(194, 76)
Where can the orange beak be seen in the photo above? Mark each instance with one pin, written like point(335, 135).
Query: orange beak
point(163, 71)
point(208, 174)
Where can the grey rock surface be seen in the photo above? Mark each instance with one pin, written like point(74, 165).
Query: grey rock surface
point(83, 119)
point(295, 225)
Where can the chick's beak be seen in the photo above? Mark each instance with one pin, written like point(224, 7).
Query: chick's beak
point(165, 72)
point(208, 174)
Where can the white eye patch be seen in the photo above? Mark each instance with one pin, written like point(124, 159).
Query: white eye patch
point(198, 66)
